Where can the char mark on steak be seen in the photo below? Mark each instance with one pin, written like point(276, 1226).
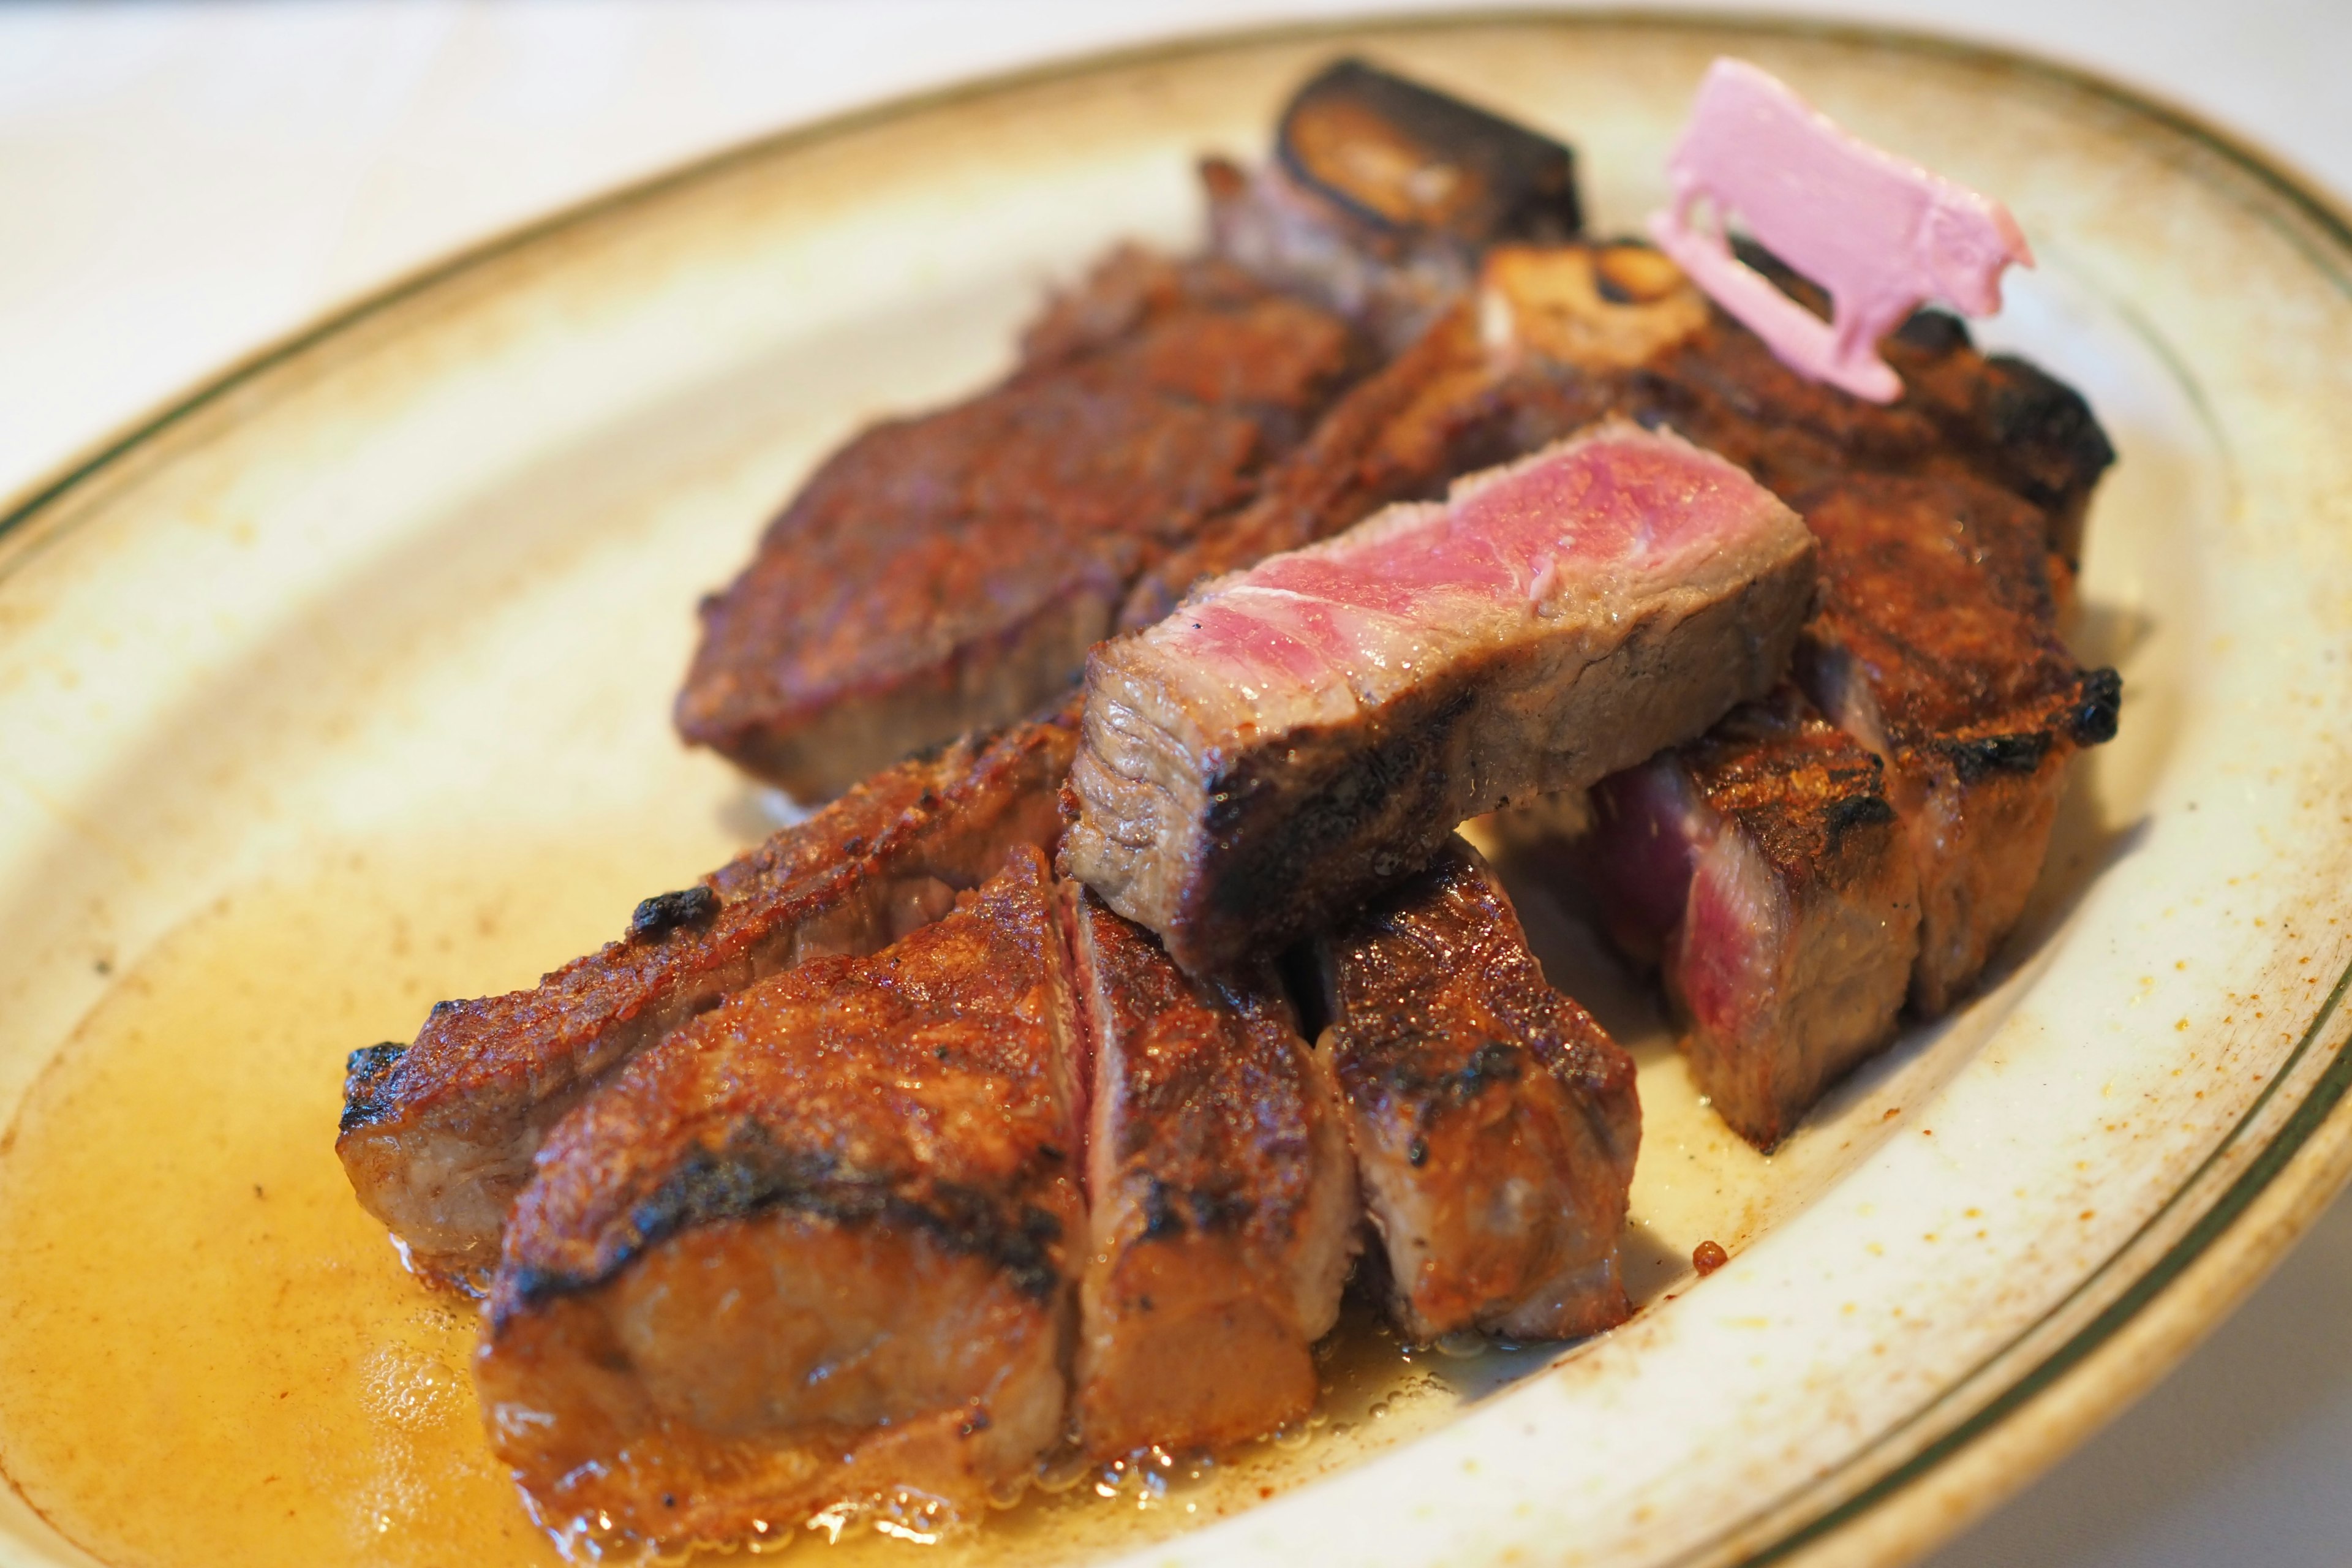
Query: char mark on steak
point(817, 1244)
point(1494, 1123)
point(1382, 194)
point(1936, 647)
point(438, 1136)
point(1223, 1209)
point(950, 569)
point(1300, 736)
point(1763, 869)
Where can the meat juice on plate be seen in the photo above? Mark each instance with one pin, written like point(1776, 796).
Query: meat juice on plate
point(216, 1357)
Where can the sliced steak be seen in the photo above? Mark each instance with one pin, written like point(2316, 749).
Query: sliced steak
point(1494, 1123)
point(1763, 869)
point(437, 1136)
point(950, 569)
point(1935, 647)
point(1303, 734)
point(1383, 192)
point(813, 1246)
point(1224, 1200)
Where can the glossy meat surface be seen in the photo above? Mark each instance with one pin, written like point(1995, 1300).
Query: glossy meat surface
point(1297, 736)
point(1763, 869)
point(1936, 647)
point(1494, 1123)
point(813, 1246)
point(437, 1136)
point(950, 569)
point(1222, 1196)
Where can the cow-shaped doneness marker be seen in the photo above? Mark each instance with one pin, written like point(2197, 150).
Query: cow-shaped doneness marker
point(1878, 232)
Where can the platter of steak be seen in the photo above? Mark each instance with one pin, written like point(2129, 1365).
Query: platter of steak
point(1389, 793)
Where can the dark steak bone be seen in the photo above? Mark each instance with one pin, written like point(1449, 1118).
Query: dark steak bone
point(812, 1245)
point(950, 569)
point(438, 1137)
point(1223, 1199)
point(1298, 736)
point(1495, 1122)
point(1762, 868)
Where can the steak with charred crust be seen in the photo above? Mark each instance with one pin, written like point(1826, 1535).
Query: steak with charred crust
point(1763, 869)
point(950, 569)
point(813, 1246)
point(1494, 1123)
point(1223, 1211)
point(437, 1136)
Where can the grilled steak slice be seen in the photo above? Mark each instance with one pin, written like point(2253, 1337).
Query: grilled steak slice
point(1382, 194)
point(1494, 1123)
point(951, 570)
point(1763, 869)
point(1305, 733)
point(1223, 1199)
point(812, 1245)
point(438, 1137)
point(1935, 647)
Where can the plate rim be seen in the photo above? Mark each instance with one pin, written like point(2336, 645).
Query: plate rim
point(2060, 1398)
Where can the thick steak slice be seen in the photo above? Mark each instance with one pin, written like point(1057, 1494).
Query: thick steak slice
point(1494, 1123)
point(1305, 733)
point(1763, 869)
point(813, 1246)
point(950, 569)
point(1382, 191)
point(437, 1136)
point(1223, 1199)
point(1935, 647)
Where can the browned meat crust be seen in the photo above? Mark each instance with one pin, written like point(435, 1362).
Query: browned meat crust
point(1934, 646)
point(1763, 868)
point(437, 1137)
point(814, 1244)
point(950, 569)
point(1494, 1123)
point(1223, 1199)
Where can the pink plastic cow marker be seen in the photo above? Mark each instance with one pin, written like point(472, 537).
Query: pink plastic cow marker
point(1880, 233)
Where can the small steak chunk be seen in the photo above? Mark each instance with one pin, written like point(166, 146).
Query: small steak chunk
point(950, 569)
point(1298, 736)
point(1494, 1123)
point(813, 1246)
point(438, 1137)
point(1223, 1199)
point(1382, 191)
point(1762, 868)
point(1935, 647)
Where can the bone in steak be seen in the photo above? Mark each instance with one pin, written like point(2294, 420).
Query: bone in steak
point(949, 570)
point(437, 1136)
point(1303, 734)
point(1223, 1211)
point(1494, 1123)
point(1762, 868)
point(1382, 194)
point(1936, 647)
point(814, 1244)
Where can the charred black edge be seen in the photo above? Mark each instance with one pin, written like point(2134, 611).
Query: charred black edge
point(754, 1177)
point(1842, 817)
point(1530, 178)
point(2043, 423)
point(366, 1072)
point(656, 916)
point(2098, 707)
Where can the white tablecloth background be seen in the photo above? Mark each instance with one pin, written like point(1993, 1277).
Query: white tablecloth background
point(180, 183)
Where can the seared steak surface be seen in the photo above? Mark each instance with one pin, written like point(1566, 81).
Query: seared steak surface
point(814, 1244)
point(1223, 1199)
point(1301, 735)
point(1494, 1123)
point(1763, 869)
point(950, 569)
point(437, 1136)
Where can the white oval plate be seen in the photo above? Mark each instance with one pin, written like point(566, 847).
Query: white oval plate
point(389, 615)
